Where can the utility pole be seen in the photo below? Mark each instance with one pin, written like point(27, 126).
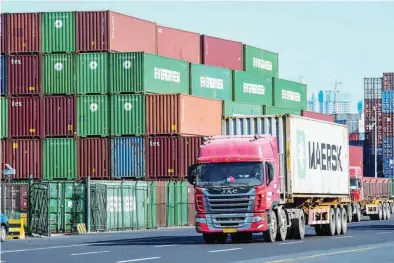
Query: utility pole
point(376, 142)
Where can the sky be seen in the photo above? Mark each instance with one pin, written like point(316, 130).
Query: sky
point(319, 41)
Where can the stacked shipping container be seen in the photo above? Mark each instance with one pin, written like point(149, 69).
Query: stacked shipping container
point(388, 124)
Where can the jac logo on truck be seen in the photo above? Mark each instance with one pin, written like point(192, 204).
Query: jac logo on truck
point(229, 191)
point(325, 156)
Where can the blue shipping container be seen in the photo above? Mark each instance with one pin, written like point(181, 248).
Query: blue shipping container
point(388, 146)
point(388, 167)
point(388, 101)
point(3, 76)
point(128, 157)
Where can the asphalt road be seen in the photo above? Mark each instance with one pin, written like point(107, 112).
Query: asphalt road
point(367, 241)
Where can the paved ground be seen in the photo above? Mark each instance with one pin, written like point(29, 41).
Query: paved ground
point(367, 241)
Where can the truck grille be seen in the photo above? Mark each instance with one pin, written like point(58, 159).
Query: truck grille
point(229, 204)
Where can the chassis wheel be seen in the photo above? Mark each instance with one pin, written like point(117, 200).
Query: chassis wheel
point(319, 230)
point(344, 221)
point(349, 213)
point(282, 226)
point(298, 226)
point(331, 225)
point(270, 234)
point(3, 233)
point(338, 221)
point(388, 211)
point(357, 215)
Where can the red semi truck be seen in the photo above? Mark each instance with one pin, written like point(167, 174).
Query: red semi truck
point(297, 173)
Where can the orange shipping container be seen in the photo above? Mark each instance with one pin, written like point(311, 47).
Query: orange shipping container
point(183, 114)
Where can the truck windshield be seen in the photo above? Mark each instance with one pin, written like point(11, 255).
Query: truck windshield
point(355, 184)
point(218, 174)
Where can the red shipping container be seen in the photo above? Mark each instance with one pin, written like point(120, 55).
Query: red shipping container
point(3, 33)
point(178, 114)
point(388, 124)
point(179, 44)
point(24, 74)
point(377, 187)
point(19, 196)
point(388, 81)
point(222, 53)
point(24, 117)
point(356, 156)
point(3, 154)
point(25, 156)
point(93, 158)
point(354, 136)
point(317, 116)
point(170, 157)
point(110, 31)
point(24, 32)
point(59, 115)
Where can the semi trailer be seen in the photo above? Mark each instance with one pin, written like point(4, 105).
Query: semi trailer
point(290, 172)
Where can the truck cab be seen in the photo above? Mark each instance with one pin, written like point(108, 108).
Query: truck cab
point(356, 183)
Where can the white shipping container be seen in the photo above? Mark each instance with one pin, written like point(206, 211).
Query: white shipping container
point(317, 161)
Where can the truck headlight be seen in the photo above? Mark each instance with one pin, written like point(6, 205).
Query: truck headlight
point(257, 219)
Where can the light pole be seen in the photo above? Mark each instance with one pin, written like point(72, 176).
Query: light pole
point(376, 142)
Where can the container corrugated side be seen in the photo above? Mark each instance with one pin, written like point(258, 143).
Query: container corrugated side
point(24, 32)
point(169, 157)
point(251, 88)
point(93, 115)
point(127, 114)
point(176, 203)
point(59, 115)
point(143, 72)
point(177, 114)
point(388, 81)
point(92, 73)
point(231, 108)
point(28, 112)
point(178, 44)
point(376, 187)
point(317, 116)
point(3, 34)
point(4, 118)
point(58, 32)
point(58, 74)
point(3, 76)
point(268, 110)
point(93, 158)
point(128, 157)
point(247, 125)
point(356, 156)
point(388, 101)
point(289, 94)
point(222, 53)
point(3, 154)
point(59, 159)
point(24, 74)
point(261, 62)
point(111, 31)
point(211, 82)
point(25, 156)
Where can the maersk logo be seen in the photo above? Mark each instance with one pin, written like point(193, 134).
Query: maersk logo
point(325, 156)
point(211, 83)
point(291, 95)
point(253, 89)
point(167, 75)
point(262, 64)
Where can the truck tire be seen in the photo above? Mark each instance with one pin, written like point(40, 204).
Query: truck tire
point(331, 224)
point(380, 214)
point(241, 237)
point(270, 234)
point(388, 211)
point(384, 211)
point(319, 230)
point(344, 221)
point(392, 208)
point(298, 226)
point(215, 238)
point(349, 213)
point(282, 226)
point(338, 221)
point(3, 233)
point(357, 216)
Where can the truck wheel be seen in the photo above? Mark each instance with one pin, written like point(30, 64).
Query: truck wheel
point(388, 211)
point(384, 212)
point(392, 208)
point(270, 234)
point(241, 237)
point(282, 229)
point(3, 233)
point(319, 230)
point(332, 224)
point(380, 215)
point(298, 225)
point(349, 213)
point(344, 221)
point(338, 221)
point(357, 216)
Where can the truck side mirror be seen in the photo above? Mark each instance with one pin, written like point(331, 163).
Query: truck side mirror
point(191, 174)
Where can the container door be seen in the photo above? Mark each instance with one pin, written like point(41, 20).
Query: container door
point(39, 222)
point(98, 201)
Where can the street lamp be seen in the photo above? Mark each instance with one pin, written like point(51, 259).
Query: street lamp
point(376, 141)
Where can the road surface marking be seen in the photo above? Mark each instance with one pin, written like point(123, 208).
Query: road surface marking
point(43, 248)
point(289, 243)
point(89, 253)
point(138, 259)
point(327, 254)
point(224, 250)
point(165, 246)
point(382, 233)
point(342, 237)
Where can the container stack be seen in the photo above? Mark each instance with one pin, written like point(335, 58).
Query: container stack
point(388, 124)
point(126, 102)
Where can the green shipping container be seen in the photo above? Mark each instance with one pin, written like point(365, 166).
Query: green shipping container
point(231, 108)
point(177, 203)
point(58, 32)
point(143, 72)
point(210, 82)
point(93, 115)
point(127, 114)
point(270, 110)
point(261, 62)
point(92, 73)
point(289, 94)
point(4, 118)
point(58, 74)
point(252, 88)
point(59, 159)
point(67, 205)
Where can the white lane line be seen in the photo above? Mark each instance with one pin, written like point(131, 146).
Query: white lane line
point(382, 233)
point(89, 253)
point(43, 248)
point(138, 259)
point(290, 243)
point(224, 250)
point(342, 237)
point(164, 246)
